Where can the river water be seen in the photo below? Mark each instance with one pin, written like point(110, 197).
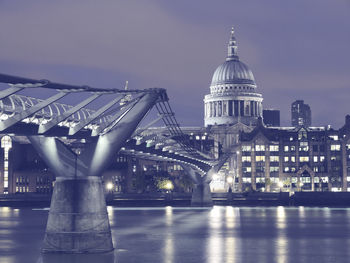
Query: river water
point(215, 235)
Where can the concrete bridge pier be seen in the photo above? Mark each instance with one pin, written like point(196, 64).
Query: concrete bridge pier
point(78, 220)
point(201, 195)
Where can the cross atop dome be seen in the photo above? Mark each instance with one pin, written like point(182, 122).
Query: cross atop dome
point(232, 47)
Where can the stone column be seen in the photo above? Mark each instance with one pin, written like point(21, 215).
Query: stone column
point(239, 170)
point(253, 184)
point(267, 168)
point(344, 166)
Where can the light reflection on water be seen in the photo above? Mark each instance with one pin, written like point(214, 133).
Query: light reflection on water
point(170, 234)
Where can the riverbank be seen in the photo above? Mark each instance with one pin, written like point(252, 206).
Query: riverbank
point(326, 199)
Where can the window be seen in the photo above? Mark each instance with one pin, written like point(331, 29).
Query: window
point(286, 158)
point(304, 158)
point(260, 180)
point(274, 169)
point(334, 137)
point(303, 147)
point(286, 148)
point(292, 159)
point(335, 147)
point(286, 169)
point(322, 148)
point(274, 148)
point(260, 158)
point(322, 158)
point(274, 158)
point(259, 148)
point(246, 159)
point(315, 159)
point(246, 148)
point(246, 169)
point(315, 148)
point(316, 180)
point(292, 148)
point(247, 180)
point(324, 179)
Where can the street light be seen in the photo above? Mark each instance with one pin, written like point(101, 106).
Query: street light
point(169, 186)
point(280, 185)
point(109, 186)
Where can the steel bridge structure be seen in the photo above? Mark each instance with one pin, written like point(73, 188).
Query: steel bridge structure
point(104, 121)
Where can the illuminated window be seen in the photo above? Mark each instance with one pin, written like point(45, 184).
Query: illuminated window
point(246, 148)
point(259, 148)
point(286, 148)
point(322, 158)
point(247, 180)
point(324, 179)
point(292, 159)
point(286, 158)
point(315, 159)
point(274, 148)
point(304, 146)
point(260, 180)
point(274, 158)
point(274, 169)
point(286, 169)
point(260, 158)
point(335, 147)
point(304, 158)
point(246, 159)
point(334, 137)
point(316, 180)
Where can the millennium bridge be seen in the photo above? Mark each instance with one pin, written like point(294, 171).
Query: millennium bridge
point(102, 122)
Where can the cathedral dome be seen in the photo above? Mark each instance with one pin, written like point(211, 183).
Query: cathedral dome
point(233, 72)
point(233, 96)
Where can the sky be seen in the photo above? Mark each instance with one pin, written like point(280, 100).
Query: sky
point(296, 49)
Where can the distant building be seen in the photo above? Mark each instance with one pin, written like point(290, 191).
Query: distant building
point(295, 159)
point(301, 114)
point(271, 118)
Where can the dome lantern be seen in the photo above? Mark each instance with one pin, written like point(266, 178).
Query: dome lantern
point(232, 47)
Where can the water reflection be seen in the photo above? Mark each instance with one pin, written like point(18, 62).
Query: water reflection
point(215, 242)
point(77, 258)
point(282, 242)
point(169, 242)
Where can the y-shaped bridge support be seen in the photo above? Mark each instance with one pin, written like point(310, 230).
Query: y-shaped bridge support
point(201, 195)
point(78, 220)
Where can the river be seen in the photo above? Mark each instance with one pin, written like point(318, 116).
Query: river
point(213, 235)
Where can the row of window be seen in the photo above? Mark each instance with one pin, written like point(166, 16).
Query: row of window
point(303, 146)
point(262, 158)
point(306, 179)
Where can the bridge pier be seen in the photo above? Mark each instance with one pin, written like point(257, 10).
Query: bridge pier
point(78, 220)
point(201, 195)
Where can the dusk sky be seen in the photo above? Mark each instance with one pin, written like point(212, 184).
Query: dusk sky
point(296, 49)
